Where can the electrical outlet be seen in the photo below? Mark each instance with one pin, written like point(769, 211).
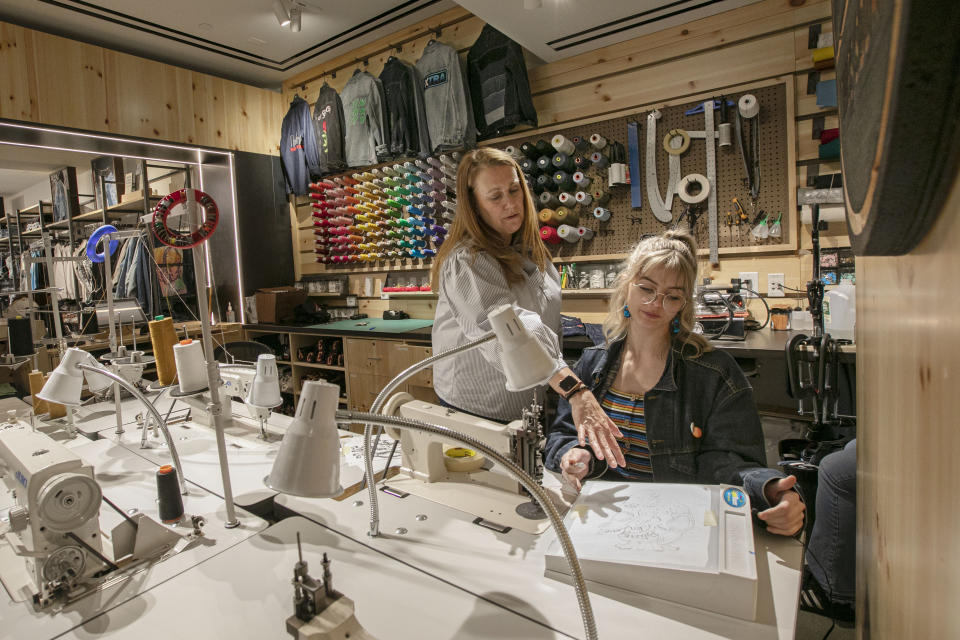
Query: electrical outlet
point(750, 280)
point(775, 284)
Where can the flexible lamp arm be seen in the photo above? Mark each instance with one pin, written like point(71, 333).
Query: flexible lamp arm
point(368, 476)
point(583, 599)
point(132, 388)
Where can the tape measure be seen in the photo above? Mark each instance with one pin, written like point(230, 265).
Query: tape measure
point(184, 239)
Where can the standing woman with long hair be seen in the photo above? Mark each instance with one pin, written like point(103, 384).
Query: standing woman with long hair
point(493, 255)
point(686, 411)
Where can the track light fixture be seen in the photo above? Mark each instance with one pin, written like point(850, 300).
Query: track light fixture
point(280, 10)
point(288, 13)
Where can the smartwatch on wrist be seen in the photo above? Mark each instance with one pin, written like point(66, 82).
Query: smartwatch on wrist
point(570, 386)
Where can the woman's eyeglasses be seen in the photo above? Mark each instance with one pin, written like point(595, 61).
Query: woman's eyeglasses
point(672, 302)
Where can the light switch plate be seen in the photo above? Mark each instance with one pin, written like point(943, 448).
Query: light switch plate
point(775, 284)
point(754, 278)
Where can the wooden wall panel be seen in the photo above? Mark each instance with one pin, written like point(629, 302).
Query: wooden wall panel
point(18, 87)
point(714, 32)
point(753, 60)
point(65, 69)
point(52, 80)
point(908, 512)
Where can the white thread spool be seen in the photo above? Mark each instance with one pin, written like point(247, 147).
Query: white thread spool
point(568, 233)
point(602, 214)
point(191, 366)
point(567, 199)
point(563, 145)
point(598, 141)
point(748, 106)
point(514, 153)
point(584, 199)
point(581, 179)
point(584, 233)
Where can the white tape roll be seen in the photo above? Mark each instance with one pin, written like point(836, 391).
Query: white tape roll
point(568, 233)
point(563, 145)
point(688, 180)
point(598, 141)
point(748, 105)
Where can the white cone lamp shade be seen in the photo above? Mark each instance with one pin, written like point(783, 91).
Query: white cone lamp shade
point(265, 388)
point(191, 366)
point(525, 362)
point(66, 381)
point(96, 382)
point(308, 463)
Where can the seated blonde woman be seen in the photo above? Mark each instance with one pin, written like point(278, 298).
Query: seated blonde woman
point(685, 411)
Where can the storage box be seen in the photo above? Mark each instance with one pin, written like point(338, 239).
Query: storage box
point(276, 304)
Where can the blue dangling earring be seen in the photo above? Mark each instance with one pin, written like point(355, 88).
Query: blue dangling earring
point(626, 311)
point(675, 325)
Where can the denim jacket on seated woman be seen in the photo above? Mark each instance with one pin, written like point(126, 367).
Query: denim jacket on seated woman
point(706, 396)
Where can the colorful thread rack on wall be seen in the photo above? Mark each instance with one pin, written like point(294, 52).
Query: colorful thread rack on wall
point(388, 213)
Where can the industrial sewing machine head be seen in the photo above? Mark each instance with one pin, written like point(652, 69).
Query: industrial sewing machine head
point(257, 387)
point(54, 523)
point(461, 478)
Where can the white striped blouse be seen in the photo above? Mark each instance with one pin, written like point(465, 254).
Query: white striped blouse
point(471, 285)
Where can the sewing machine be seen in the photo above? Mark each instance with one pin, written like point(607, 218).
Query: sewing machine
point(461, 478)
point(55, 524)
point(235, 383)
point(54, 551)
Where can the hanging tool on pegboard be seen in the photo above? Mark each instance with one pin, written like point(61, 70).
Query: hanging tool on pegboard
point(659, 206)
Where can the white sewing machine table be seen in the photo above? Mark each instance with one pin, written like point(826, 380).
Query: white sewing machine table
point(250, 457)
point(102, 415)
point(246, 592)
point(128, 481)
point(508, 569)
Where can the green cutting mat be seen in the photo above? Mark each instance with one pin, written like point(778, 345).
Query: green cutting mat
point(374, 324)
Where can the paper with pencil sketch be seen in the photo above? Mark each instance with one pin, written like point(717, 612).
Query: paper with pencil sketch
point(642, 523)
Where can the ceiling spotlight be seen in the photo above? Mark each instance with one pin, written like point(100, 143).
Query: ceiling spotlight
point(296, 11)
point(280, 10)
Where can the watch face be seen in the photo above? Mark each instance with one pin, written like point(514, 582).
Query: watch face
point(568, 383)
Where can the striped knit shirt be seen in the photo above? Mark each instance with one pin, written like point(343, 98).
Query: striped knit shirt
point(626, 411)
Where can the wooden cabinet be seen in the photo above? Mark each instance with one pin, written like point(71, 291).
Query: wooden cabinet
point(368, 365)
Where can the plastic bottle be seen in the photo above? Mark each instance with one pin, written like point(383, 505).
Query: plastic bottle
point(231, 316)
point(840, 307)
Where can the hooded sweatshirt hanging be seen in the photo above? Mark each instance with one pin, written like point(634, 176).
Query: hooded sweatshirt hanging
point(298, 147)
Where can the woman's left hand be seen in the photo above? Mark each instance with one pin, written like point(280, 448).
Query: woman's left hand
point(596, 430)
point(785, 517)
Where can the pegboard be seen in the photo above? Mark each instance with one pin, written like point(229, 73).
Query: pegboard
point(627, 225)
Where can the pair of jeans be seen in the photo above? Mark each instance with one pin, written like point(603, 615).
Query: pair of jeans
point(833, 539)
